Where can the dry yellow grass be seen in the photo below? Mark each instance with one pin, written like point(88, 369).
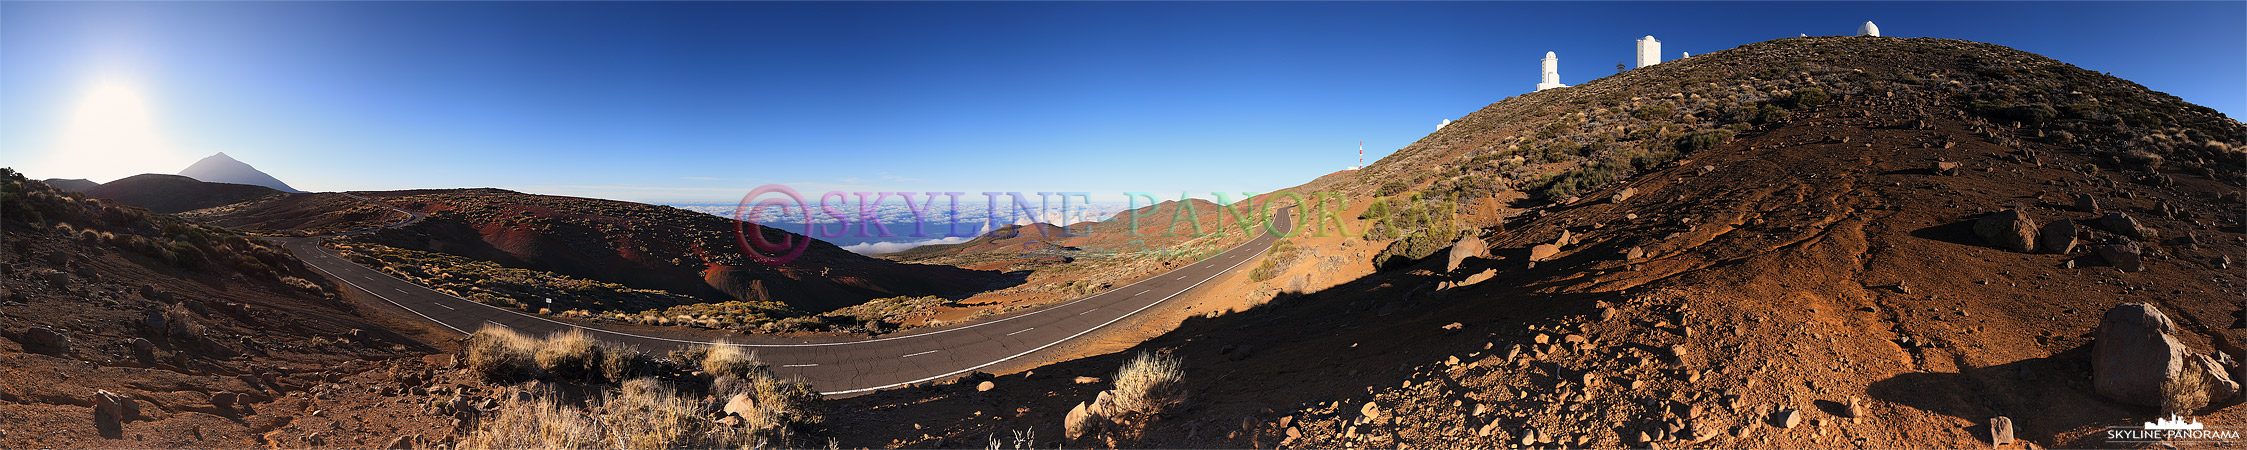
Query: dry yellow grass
point(1149, 383)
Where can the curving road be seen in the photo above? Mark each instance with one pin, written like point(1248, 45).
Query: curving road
point(834, 368)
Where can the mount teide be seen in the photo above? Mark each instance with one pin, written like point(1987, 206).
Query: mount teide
point(220, 168)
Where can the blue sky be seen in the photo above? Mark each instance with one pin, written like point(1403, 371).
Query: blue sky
point(700, 102)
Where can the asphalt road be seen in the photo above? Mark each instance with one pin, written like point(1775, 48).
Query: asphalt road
point(835, 368)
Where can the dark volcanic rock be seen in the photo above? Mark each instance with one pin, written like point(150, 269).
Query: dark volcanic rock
point(2011, 229)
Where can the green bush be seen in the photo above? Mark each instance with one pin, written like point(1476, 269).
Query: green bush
point(1809, 97)
point(1702, 140)
point(1770, 114)
point(1652, 112)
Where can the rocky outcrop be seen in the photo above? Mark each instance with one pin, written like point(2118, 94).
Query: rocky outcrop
point(1469, 246)
point(2057, 237)
point(43, 340)
point(2010, 229)
point(2137, 360)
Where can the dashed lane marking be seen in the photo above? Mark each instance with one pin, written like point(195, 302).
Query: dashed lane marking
point(918, 354)
point(1020, 332)
point(799, 365)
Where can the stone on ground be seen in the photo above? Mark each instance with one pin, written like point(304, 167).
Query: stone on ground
point(2001, 430)
point(2135, 359)
point(2010, 229)
point(1469, 246)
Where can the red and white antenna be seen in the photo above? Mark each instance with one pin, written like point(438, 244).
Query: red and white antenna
point(1361, 155)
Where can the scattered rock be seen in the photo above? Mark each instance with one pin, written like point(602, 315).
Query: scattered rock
point(407, 442)
point(741, 405)
point(1371, 411)
point(2010, 229)
point(1454, 326)
point(2123, 256)
point(1678, 350)
point(2057, 237)
point(2123, 224)
point(2001, 430)
point(1622, 195)
point(1944, 168)
point(1634, 254)
point(985, 386)
point(1469, 246)
point(225, 400)
point(1787, 418)
point(1087, 380)
point(2086, 203)
point(2135, 359)
point(1478, 277)
point(1079, 421)
point(1853, 409)
point(43, 340)
point(114, 409)
point(1543, 252)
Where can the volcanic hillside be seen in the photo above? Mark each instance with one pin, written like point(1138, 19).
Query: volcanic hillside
point(125, 328)
point(167, 194)
point(1805, 242)
point(300, 214)
point(652, 247)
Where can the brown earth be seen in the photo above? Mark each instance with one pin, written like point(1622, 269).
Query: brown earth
point(1802, 264)
point(311, 214)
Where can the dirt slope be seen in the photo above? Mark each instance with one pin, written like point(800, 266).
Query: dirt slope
point(1808, 258)
point(175, 318)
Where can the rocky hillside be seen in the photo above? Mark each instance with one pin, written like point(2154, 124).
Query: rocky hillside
point(71, 184)
point(652, 247)
point(167, 194)
point(124, 328)
point(1806, 242)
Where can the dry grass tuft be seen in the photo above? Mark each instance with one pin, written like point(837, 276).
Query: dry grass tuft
point(500, 354)
point(1148, 384)
point(720, 360)
point(569, 355)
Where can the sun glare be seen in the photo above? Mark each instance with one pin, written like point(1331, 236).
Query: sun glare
point(110, 133)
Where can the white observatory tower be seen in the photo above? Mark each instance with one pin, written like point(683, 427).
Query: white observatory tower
point(1551, 76)
point(1649, 51)
point(1868, 29)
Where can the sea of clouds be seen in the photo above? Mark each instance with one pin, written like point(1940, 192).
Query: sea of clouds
point(938, 225)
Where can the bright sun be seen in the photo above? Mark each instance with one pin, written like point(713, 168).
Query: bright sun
point(111, 133)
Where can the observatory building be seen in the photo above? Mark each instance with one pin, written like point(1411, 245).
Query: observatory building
point(1868, 29)
point(1551, 77)
point(1649, 51)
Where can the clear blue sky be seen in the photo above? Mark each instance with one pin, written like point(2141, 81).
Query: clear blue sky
point(699, 102)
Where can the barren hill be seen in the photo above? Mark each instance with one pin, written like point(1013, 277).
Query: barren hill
point(127, 328)
point(167, 194)
point(71, 184)
point(652, 247)
point(1767, 246)
point(219, 168)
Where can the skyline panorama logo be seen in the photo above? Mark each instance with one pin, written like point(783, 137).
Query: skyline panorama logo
point(1248, 215)
point(2172, 429)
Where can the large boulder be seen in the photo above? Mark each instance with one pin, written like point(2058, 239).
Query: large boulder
point(2010, 229)
point(43, 340)
point(2123, 256)
point(2123, 224)
point(741, 405)
point(2136, 360)
point(1469, 246)
point(1079, 422)
point(2057, 237)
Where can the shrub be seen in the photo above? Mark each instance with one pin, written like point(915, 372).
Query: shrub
point(181, 324)
point(1807, 97)
point(2031, 114)
point(500, 354)
point(620, 363)
point(1652, 112)
point(569, 355)
point(1148, 384)
point(539, 422)
point(1392, 187)
point(776, 405)
point(1769, 114)
point(720, 359)
point(1702, 140)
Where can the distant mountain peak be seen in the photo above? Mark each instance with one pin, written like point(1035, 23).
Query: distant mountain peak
point(220, 168)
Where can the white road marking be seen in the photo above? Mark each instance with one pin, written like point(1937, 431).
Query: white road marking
point(1020, 332)
point(918, 354)
point(1141, 292)
point(1088, 311)
point(441, 305)
point(501, 325)
point(1183, 278)
point(799, 365)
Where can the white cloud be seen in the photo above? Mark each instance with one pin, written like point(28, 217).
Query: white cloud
point(875, 248)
